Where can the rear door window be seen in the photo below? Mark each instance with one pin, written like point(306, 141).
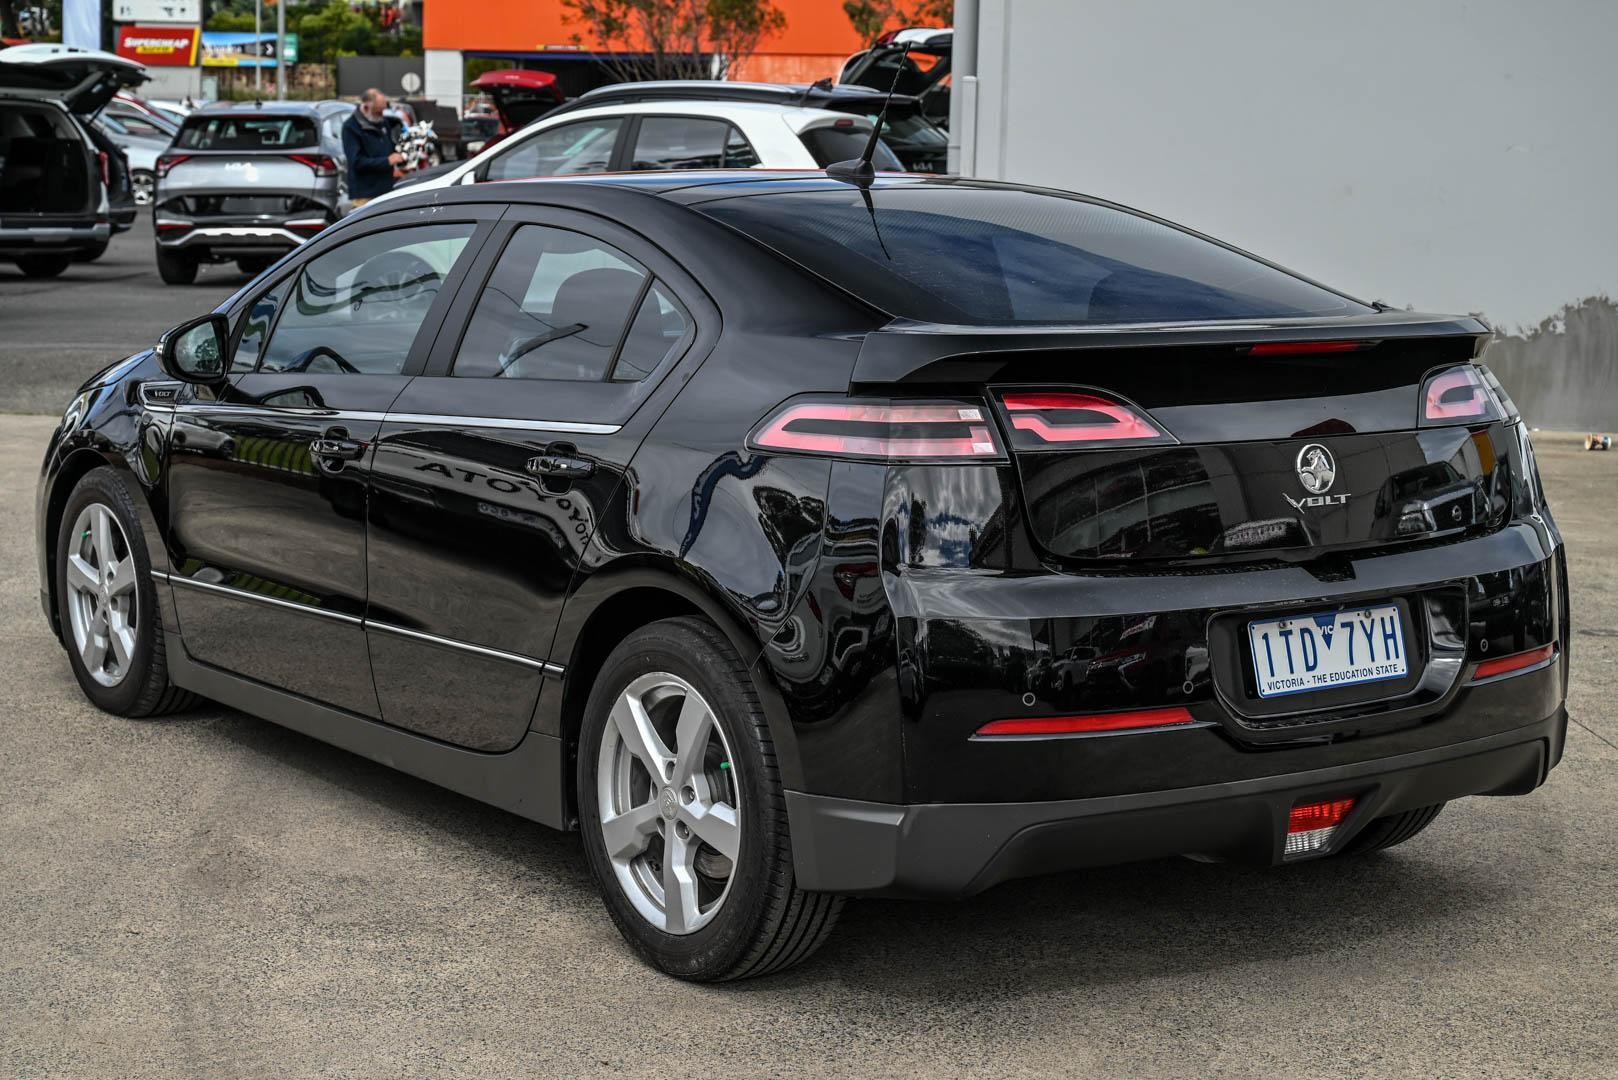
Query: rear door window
point(690, 142)
point(249, 132)
point(584, 147)
point(563, 305)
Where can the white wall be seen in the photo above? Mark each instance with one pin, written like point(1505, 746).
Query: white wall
point(1455, 156)
point(442, 71)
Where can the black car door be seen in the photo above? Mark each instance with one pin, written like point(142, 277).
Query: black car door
point(267, 479)
point(497, 464)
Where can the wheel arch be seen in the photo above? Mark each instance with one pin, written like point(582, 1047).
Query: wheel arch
point(613, 604)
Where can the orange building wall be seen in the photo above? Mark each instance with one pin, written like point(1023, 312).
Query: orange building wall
point(815, 28)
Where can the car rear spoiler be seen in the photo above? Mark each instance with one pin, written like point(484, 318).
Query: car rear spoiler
point(908, 351)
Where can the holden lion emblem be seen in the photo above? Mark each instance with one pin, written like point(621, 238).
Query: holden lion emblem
point(1316, 469)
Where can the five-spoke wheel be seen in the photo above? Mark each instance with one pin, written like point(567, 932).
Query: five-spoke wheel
point(103, 604)
point(670, 815)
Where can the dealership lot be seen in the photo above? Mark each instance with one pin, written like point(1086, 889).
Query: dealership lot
point(211, 894)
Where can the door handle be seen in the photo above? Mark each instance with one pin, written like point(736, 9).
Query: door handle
point(337, 449)
point(561, 466)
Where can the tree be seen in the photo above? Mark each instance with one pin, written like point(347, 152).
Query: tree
point(8, 19)
point(676, 39)
point(870, 17)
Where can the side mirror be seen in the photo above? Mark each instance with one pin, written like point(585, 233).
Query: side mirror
point(197, 351)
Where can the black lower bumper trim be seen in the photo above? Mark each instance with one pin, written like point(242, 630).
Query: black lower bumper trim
point(957, 849)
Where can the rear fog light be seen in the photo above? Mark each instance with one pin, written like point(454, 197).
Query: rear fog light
point(1310, 825)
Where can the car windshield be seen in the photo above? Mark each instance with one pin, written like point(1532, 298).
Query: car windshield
point(979, 255)
point(249, 132)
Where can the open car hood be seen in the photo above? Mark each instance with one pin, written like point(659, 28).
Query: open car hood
point(82, 79)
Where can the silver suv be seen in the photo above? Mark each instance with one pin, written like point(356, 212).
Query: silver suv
point(248, 181)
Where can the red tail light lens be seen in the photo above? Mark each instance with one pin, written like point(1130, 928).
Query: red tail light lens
point(106, 172)
point(165, 162)
point(1046, 420)
point(1307, 817)
point(1505, 665)
point(882, 431)
point(1089, 723)
point(1457, 395)
point(323, 164)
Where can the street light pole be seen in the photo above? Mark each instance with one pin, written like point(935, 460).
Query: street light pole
point(280, 50)
point(258, 38)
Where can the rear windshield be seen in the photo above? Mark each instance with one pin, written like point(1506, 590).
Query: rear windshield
point(994, 256)
point(245, 132)
point(832, 142)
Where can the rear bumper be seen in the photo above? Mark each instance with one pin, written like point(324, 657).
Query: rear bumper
point(958, 849)
point(44, 239)
point(235, 239)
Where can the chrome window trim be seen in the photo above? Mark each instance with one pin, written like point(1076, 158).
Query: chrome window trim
point(434, 419)
point(543, 666)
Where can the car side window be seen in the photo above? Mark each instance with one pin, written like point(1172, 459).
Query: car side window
point(583, 147)
point(355, 309)
point(563, 305)
point(688, 142)
point(256, 327)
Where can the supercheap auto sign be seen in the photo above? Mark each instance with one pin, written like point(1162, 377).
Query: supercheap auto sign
point(159, 46)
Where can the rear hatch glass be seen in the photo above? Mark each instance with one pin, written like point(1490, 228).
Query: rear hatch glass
point(246, 132)
point(959, 253)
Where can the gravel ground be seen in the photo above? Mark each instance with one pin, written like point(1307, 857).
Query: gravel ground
point(212, 895)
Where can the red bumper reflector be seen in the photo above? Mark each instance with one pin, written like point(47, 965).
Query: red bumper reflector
point(1307, 817)
point(1133, 720)
point(1300, 348)
point(1502, 665)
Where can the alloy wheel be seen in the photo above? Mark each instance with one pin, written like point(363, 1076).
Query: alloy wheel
point(142, 184)
point(669, 805)
point(103, 603)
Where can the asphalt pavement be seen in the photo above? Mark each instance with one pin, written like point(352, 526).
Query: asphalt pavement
point(211, 895)
point(55, 332)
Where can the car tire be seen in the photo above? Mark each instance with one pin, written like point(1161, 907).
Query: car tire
point(43, 266)
point(99, 535)
point(142, 185)
point(176, 268)
point(91, 254)
point(758, 921)
point(1386, 832)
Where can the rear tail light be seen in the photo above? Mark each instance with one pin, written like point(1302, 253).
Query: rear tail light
point(882, 430)
point(1457, 395)
point(1089, 723)
point(1310, 825)
point(106, 168)
point(1507, 665)
point(165, 162)
point(1073, 420)
point(308, 225)
point(174, 226)
point(323, 164)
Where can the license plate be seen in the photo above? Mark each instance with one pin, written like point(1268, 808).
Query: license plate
point(1327, 650)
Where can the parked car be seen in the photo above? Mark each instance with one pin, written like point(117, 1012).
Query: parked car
point(918, 143)
point(663, 135)
point(143, 117)
point(929, 82)
point(141, 151)
point(58, 183)
point(742, 520)
point(478, 131)
point(248, 181)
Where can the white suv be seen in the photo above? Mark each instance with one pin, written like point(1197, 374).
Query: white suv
point(665, 135)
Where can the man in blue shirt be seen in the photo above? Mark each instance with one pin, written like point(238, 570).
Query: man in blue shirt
point(368, 145)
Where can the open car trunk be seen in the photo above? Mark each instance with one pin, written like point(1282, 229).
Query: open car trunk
point(45, 167)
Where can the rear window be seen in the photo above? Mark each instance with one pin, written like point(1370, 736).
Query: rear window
point(249, 132)
point(955, 253)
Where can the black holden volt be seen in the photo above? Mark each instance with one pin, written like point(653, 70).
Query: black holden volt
point(795, 538)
